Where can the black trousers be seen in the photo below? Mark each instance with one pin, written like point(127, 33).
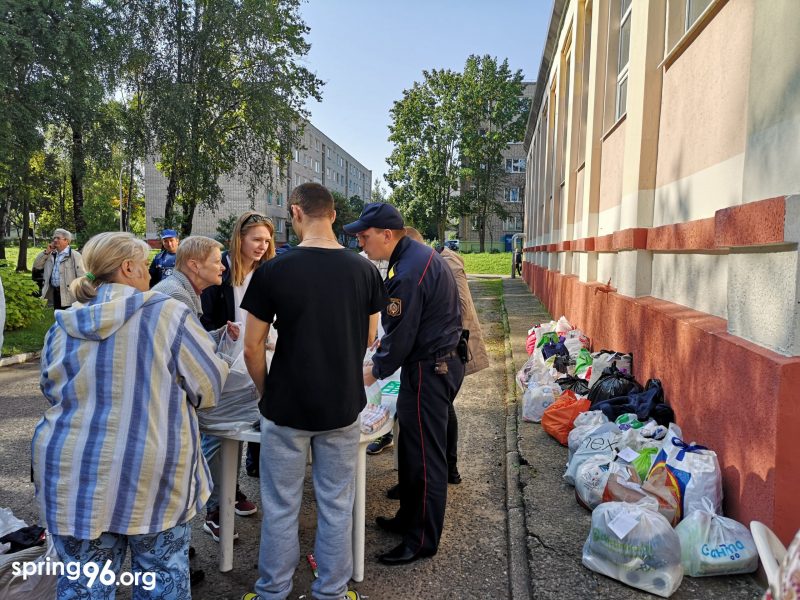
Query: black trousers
point(57, 299)
point(423, 407)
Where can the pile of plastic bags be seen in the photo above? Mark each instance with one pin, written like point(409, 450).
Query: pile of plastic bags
point(656, 499)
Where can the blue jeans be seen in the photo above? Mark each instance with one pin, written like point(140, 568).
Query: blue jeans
point(159, 562)
point(284, 452)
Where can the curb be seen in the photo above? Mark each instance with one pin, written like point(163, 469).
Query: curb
point(518, 565)
point(19, 358)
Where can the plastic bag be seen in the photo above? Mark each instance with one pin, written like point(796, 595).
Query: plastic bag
point(644, 461)
point(715, 545)
point(536, 399)
point(558, 418)
point(583, 364)
point(14, 587)
point(576, 384)
point(635, 545)
point(9, 523)
point(585, 423)
point(605, 358)
point(631, 489)
point(563, 325)
point(692, 473)
point(613, 383)
point(602, 441)
point(592, 476)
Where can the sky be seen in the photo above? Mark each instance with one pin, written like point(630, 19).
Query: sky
point(368, 51)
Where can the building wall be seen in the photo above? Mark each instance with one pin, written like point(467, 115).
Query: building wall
point(684, 243)
point(319, 156)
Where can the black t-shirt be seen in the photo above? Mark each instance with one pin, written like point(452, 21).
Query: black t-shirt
point(322, 299)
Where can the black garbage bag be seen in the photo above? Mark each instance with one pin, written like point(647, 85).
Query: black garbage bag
point(576, 384)
point(562, 363)
point(613, 383)
point(647, 404)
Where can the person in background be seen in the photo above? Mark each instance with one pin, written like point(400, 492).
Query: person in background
point(118, 466)
point(164, 261)
point(250, 246)
point(327, 302)
point(422, 325)
point(61, 266)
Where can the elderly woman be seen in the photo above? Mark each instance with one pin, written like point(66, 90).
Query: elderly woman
point(116, 459)
point(198, 265)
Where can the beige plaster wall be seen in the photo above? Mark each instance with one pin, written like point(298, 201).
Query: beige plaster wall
point(704, 98)
point(611, 167)
point(699, 281)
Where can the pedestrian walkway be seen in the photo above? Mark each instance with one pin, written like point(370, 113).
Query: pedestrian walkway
point(555, 526)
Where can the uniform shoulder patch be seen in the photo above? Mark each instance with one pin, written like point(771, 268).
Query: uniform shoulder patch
point(395, 307)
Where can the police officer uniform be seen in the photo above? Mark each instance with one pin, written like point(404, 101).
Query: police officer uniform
point(422, 324)
point(164, 262)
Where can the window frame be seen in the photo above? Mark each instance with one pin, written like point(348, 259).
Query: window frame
point(625, 17)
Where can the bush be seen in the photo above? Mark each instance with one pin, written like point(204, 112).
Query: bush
point(23, 305)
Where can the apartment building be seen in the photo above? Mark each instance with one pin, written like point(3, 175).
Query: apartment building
point(510, 193)
point(319, 159)
point(662, 216)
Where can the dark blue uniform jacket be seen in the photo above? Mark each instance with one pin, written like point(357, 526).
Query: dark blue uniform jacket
point(423, 317)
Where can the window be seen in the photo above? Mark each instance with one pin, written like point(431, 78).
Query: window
point(316, 144)
point(694, 8)
point(279, 198)
point(623, 54)
point(306, 160)
point(511, 194)
point(513, 223)
point(279, 225)
point(297, 179)
point(297, 156)
point(269, 196)
point(475, 223)
point(328, 172)
point(515, 165)
point(340, 160)
point(316, 166)
point(327, 152)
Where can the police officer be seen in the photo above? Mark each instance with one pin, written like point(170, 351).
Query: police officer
point(422, 324)
point(164, 262)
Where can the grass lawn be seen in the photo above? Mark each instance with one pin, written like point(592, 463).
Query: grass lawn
point(488, 264)
point(27, 339)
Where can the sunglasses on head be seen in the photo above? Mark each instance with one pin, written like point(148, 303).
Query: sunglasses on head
point(256, 218)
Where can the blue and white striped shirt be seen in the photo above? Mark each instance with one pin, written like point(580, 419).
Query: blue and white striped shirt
point(119, 449)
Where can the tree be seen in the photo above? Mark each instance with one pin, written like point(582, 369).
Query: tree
point(347, 211)
point(495, 114)
point(424, 164)
point(378, 193)
point(223, 93)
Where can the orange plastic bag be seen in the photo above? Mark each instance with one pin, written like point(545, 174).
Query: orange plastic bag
point(559, 418)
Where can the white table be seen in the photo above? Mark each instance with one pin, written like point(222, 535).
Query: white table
point(227, 487)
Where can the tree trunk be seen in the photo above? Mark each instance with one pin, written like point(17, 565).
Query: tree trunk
point(482, 234)
point(22, 259)
point(4, 205)
point(129, 204)
point(76, 178)
point(188, 217)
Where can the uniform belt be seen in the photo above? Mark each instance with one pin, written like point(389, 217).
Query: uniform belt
point(445, 354)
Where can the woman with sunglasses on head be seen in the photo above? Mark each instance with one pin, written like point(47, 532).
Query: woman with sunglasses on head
point(251, 245)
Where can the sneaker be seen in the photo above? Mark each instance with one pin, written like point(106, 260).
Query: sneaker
point(250, 596)
point(243, 507)
point(211, 526)
point(353, 595)
point(379, 445)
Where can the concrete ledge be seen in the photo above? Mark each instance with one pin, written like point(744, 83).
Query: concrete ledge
point(19, 358)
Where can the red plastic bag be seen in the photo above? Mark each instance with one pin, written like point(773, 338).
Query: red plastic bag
point(559, 418)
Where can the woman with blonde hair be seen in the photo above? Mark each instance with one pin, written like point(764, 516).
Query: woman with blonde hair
point(116, 458)
point(251, 244)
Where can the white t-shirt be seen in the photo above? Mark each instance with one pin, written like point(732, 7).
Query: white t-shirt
point(238, 294)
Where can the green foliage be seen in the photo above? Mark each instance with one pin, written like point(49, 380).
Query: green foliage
point(225, 229)
point(493, 263)
point(23, 304)
point(347, 211)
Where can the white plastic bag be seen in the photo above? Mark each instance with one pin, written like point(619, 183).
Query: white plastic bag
point(602, 441)
point(536, 399)
point(592, 476)
point(715, 545)
point(14, 587)
point(693, 471)
point(585, 423)
point(9, 523)
point(635, 545)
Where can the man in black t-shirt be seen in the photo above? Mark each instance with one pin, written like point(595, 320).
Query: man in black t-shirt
point(326, 302)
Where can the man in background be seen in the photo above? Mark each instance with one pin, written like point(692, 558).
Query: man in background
point(61, 264)
point(164, 262)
